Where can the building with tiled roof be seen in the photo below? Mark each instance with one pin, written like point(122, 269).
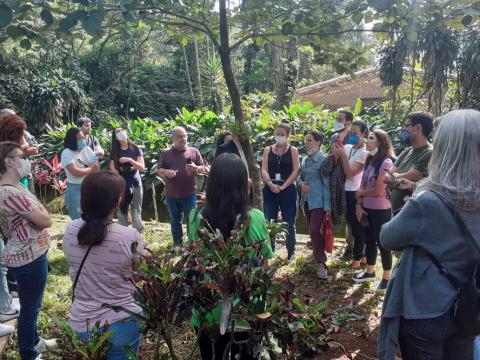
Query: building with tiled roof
point(345, 90)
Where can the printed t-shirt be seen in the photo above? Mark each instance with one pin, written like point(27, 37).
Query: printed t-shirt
point(25, 243)
point(380, 202)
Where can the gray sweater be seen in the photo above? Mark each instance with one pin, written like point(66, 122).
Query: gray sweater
point(416, 289)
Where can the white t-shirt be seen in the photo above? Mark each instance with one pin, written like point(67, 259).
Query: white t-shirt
point(355, 156)
point(69, 157)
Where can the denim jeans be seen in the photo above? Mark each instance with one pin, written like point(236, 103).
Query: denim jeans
point(135, 209)
point(286, 202)
point(434, 339)
point(477, 349)
point(179, 209)
point(31, 279)
point(5, 298)
point(126, 332)
point(72, 201)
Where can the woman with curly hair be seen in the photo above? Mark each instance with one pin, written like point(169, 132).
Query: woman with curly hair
point(12, 128)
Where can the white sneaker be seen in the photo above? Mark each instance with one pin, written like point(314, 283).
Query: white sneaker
point(9, 314)
point(6, 329)
point(322, 271)
point(44, 344)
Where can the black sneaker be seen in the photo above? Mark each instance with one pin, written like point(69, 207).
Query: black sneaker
point(382, 287)
point(363, 276)
point(347, 256)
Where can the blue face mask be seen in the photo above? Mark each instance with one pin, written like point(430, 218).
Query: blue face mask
point(404, 136)
point(81, 144)
point(353, 139)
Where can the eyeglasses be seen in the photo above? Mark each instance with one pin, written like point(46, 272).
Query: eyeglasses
point(21, 156)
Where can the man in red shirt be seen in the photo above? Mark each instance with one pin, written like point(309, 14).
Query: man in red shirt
point(179, 166)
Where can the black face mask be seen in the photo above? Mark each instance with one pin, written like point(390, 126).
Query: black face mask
point(229, 148)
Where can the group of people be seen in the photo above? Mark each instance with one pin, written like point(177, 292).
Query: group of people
point(392, 204)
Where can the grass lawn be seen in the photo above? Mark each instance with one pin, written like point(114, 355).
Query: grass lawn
point(355, 310)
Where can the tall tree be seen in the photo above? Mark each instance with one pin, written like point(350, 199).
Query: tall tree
point(228, 27)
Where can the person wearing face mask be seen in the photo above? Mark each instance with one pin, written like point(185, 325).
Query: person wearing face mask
point(341, 126)
point(76, 169)
point(373, 208)
point(315, 198)
point(412, 163)
point(85, 124)
point(126, 159)
point(353, 156)
point(24, 222)
point(99, 253)
point(280, 169)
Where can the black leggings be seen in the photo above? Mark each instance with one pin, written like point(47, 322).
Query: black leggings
point(242, 351)
point(357, 228)
point(376, 219)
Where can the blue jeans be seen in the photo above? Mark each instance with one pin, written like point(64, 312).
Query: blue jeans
point(126, 332)
point(286, 202)
point(31, 279)
point(434, 339)
point(72, 201)
point(476, 355)
point(5, 298)
point(179, 209)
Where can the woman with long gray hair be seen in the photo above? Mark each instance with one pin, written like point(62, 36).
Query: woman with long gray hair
point(419, 303)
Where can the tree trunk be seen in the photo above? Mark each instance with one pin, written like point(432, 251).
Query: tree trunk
point(197, 70)
point(187, 73)
point(243, 131)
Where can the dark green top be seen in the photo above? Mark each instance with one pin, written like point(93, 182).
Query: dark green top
point(257, 231)
point(410, 158)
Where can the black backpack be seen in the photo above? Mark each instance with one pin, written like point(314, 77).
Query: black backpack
point(467, 306)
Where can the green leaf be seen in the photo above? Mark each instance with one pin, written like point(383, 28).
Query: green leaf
point(26, 44)
point(68, 22)
point(287, 28)
point(92, 23)
point(184, 42)
point(358, 106)
point(47, 17)
point(412, 36)
point(81, 2)
point(12, 4)
point(467, 19)
point(357, 18)
point(6, 15)
point(15, 31)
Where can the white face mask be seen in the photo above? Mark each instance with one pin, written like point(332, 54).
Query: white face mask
point(281, 140)
point(25, 167)
point(121, 136)
point(373, 152)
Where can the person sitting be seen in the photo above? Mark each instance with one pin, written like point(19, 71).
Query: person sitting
point(101, 262)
